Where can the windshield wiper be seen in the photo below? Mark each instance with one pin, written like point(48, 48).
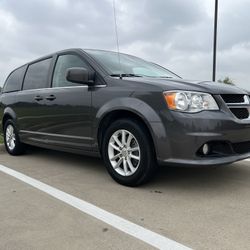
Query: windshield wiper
point(125, 75)
point(167, 77)
point(136, 75)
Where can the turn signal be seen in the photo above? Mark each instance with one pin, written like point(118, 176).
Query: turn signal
point(170, 99)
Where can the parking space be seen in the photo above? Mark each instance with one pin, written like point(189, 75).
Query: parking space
point(204, 208)
point(33, 220)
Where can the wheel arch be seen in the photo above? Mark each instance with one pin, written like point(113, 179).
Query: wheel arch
point(8, 114)
point(129, 108)
point(119, 114)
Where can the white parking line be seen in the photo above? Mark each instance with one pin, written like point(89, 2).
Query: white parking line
point(139, 232)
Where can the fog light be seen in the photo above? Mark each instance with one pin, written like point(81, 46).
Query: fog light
point(205, 149)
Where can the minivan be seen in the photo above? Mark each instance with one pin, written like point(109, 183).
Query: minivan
point(133, 113)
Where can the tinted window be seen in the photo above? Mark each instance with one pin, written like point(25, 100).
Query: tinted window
point(37, 75)
point(63, 63)
point(14, 81)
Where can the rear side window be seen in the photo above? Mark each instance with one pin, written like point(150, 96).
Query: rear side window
point(63, 63)
point(14, 81)
point(37, 75)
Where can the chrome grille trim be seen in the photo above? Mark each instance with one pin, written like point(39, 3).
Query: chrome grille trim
point(234, 107)
point(246, 102)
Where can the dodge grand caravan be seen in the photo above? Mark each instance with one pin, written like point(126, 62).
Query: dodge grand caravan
point(133, 113)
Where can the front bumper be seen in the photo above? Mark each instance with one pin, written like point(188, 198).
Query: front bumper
point(205, 161)
point(184, 134)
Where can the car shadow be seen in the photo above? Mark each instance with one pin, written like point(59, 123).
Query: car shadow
point(196, 179)
point(70, 159)
point(199, 179)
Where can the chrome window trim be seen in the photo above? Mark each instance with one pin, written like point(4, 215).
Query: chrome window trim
point(67, 87)
point(100, 86)
point(54, 88)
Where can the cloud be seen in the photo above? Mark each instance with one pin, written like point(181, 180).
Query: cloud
point(30, 29)
point(155, 21)
point(175, 33)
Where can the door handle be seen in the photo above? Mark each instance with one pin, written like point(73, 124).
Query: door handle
point(38, 98)
point(50, 97)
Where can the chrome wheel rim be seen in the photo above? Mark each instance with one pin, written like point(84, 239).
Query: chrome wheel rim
point(10, 137)
point(124, 152)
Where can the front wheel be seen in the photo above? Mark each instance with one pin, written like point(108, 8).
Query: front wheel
point(128, 152)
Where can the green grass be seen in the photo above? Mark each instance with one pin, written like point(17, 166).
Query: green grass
point(1, 139)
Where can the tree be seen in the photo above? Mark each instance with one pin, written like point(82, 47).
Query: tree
point(227, 80)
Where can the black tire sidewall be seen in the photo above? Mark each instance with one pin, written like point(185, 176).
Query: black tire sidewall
point(146, 161)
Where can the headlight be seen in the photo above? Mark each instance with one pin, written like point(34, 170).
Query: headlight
point(187, 101)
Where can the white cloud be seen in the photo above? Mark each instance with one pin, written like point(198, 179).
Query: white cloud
point(175, 33)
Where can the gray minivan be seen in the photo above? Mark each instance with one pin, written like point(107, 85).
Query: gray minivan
point(133, 113)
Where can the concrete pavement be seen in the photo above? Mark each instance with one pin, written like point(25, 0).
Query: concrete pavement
point(203, 208)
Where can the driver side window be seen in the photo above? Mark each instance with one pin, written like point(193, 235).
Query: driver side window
point(63, 63)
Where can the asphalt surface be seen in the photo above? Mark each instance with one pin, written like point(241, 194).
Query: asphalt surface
point(202, 208)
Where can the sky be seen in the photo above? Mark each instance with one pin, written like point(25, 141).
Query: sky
point(178, 34)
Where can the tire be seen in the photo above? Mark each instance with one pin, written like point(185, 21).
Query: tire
point(11, 139)
point(136, 149)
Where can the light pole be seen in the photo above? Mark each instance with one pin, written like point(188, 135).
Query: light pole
point(215, 39)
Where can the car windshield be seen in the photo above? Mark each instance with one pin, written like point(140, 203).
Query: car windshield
point(129, 66)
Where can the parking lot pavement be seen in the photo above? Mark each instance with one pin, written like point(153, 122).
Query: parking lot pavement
point(202, 208)
point(33, 220)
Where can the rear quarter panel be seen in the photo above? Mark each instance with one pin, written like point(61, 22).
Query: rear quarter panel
point(7, 102)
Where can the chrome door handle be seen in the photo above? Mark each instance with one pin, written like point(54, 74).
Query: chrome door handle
point(50, 97)
point(38, 98)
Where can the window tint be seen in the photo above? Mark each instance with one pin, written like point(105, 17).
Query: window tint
point(37, 75)
point(14, 81)
point(63, 63)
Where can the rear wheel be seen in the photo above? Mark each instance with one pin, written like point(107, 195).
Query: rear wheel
point(11, 139)
point(128, 153)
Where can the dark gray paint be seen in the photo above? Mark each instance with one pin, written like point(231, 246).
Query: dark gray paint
point(70, 122)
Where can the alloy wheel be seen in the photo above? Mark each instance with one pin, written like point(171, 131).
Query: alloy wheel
point(124, 152)
point(10, 137)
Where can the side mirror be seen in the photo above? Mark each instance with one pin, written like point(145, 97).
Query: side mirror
point(80, 75)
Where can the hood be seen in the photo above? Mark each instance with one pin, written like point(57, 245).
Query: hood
point(181, 84)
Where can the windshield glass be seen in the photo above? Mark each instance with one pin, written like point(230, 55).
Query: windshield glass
point(129, 66)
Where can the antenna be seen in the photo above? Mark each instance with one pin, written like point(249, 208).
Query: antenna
point(117, 40)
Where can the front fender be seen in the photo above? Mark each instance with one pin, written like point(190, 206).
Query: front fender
point(130, 104)
point(138, 107)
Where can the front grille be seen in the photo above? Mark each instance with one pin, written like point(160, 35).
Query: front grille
point(238, 104)
point(232, 98)
point(240, 113)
